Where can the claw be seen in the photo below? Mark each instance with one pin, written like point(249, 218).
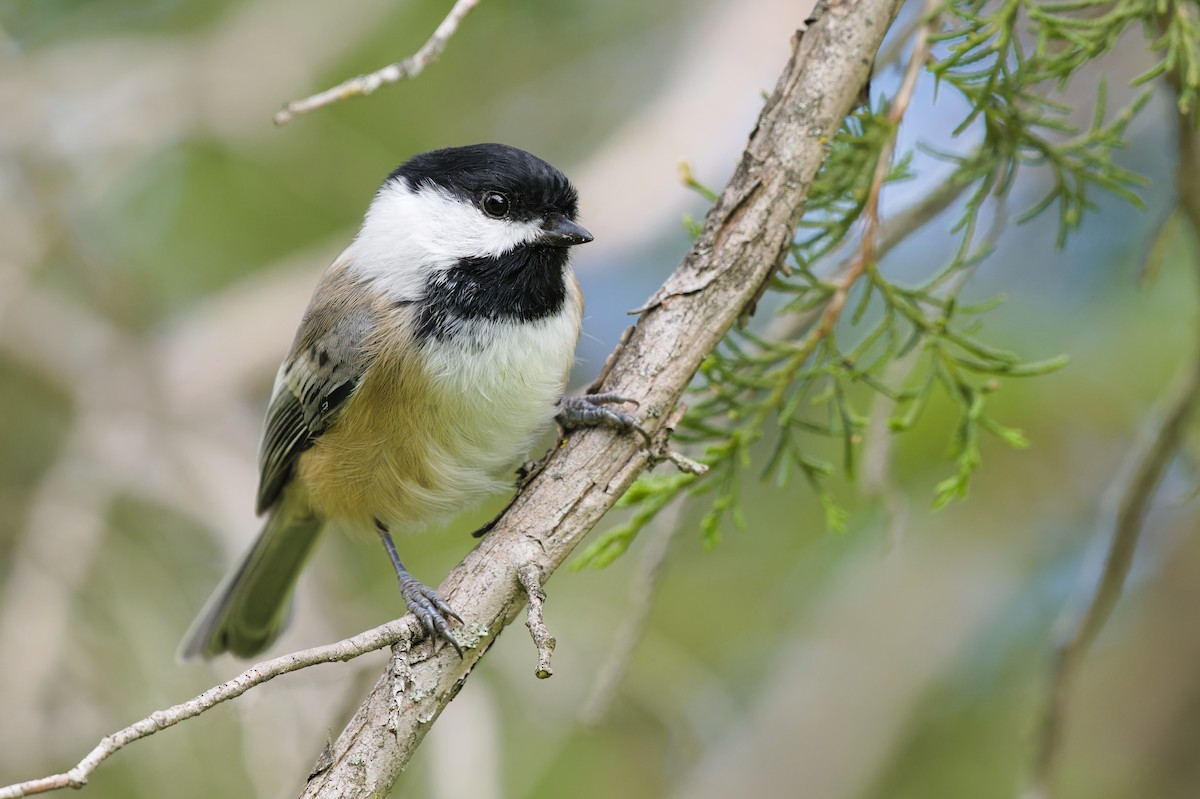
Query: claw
point(609, 396)
point(429, 607)
point(422, 601)
point(591, 410)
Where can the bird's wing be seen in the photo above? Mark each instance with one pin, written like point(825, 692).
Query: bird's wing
point(326, 364)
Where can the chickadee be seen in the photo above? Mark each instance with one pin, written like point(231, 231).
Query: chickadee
point(433, 353)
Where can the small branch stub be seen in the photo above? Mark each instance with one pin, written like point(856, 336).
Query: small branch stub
point(662, 445)
point(531, 580)
point(687, 465)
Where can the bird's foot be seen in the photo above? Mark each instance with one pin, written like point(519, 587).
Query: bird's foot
point(592, 410)
point(426, 604)
point(431, 610)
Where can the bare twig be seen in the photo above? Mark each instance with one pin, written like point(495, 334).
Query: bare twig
point(531, 580)
point(405, 629)
point(1128, 501)
point(392, 73)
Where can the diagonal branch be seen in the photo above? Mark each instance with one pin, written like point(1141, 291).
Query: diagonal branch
point(745, 237)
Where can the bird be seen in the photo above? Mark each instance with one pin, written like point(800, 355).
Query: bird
point(434, 352)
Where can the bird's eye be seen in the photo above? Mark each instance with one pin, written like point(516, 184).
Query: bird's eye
point(495, 204)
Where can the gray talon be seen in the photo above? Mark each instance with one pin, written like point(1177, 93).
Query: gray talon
point(422, 601)
point(428, 606)
point(591, 410)
point(607, 397)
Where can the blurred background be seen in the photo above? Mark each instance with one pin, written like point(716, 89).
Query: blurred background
point(159, 238)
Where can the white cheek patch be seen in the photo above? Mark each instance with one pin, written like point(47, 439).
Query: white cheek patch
point(457, 229)
point(409, 234)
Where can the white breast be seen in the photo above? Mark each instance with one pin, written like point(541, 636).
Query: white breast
point(494, 386)
point(507, 376)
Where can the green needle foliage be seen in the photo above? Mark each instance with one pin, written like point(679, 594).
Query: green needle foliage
point(794, 394)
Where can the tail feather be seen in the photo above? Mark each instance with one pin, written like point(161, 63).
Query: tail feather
point(251, 607)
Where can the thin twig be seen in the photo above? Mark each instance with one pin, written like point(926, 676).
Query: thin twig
point(530, 577)
point(405, 629)
point(1129, 497)
point(892, 232)
point(392, 73)
point(867, 253)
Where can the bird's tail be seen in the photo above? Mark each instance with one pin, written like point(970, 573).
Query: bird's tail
point(250, 608)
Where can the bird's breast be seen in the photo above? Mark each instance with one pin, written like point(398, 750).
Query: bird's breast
point(437, 422)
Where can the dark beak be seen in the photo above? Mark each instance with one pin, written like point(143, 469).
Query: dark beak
point(558, 231)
